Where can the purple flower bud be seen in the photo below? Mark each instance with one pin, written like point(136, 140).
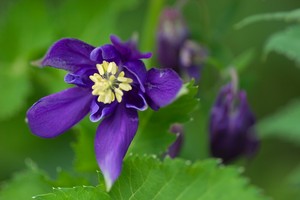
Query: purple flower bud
point(192, 57)
point(175, 148)
point(231, 126)
point(172, 32)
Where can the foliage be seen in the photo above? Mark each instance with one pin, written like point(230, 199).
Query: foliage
point(288, 16)
point(26, 184)
point(148, 178)
point(29, 27)
point(285, 42)
point(145, 177)
point(283, 124)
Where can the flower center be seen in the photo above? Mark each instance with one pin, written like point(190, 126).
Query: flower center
point(109, 84)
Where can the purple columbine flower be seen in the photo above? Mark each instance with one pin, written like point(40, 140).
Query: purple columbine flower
point(231, 126)
point(172, 32)
point(174, 49)
point(112, 83)
point(192, 58)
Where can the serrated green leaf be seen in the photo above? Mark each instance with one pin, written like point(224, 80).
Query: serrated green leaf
point(293, 15)
point(153, 135)
point(67, 179)
point(148, 178)
point(75, 193)
point(285, 42)
point(283, 124)
point(25, 184)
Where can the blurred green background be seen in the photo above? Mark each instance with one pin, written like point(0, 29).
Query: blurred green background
point(29, 27)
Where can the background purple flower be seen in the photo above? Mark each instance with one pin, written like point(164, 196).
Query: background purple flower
point(112, 83)
point(172, 32)
point(174, 48)
point(175, 147)
point(231, 126)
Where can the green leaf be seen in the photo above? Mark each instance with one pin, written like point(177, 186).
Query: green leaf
point(285, 42)
point(148, 178)
point(293, 15)
point(283, 124)
point(75, 193)
point(67, 179)
point(25, 184)
point(153, 135)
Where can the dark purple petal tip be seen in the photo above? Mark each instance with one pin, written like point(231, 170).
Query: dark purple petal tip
point(175, 148)
point(129, 49)
point(162, 86)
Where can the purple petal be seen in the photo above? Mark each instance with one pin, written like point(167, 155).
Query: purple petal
point(56, 113)
point(113, 138)
point(194, 72)
point(135, 100)
point(106, 52)
point(128, 49)
point(175, 148)
point(100, 110)
point(162, 86)
point(138, 69)
point(81, 77)
point(69, 54)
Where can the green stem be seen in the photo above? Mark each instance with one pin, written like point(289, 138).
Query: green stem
point(150, 25)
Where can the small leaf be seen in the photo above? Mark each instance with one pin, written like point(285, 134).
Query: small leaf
point(75, 193)
point(26, 184)
point(153, 135)
point(67, 179)
point(284, 124)
point(293, 15)
point(148, 178)
point(285, 42)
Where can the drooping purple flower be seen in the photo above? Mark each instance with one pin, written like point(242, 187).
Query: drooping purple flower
point(175, 148)
point(231, 126)
point(174, 48)
point(192, 58)
point(112, 83)
point(172, 32)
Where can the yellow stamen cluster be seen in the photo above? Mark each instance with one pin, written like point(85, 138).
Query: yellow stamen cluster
point(109, 84)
